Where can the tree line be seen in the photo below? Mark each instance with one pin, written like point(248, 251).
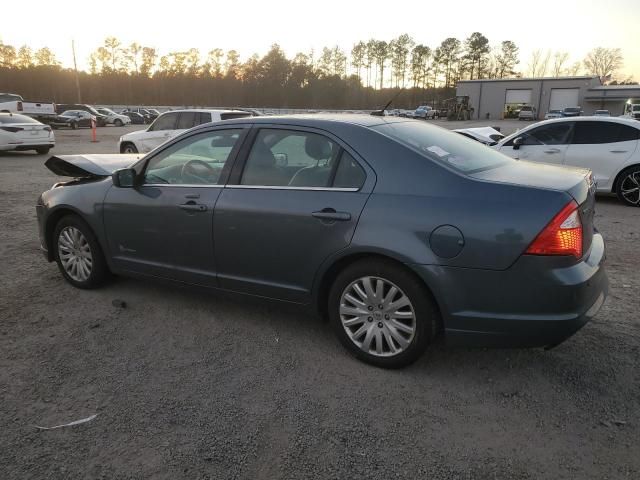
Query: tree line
point(365, 77)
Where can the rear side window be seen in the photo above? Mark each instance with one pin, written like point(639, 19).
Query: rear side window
point(230, 116)
point(443, 146)
point(349, 173)
point(188, 120)
point(602, 132)
point(6, 119)
point(165, 122)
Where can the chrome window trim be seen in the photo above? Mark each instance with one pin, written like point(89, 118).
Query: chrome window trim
point(277, 187)
point(190, 185)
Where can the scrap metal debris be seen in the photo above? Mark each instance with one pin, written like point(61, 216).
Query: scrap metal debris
point(77, 422)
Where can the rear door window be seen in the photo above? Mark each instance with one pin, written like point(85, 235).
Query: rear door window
point(205, 117)
point(589, 133)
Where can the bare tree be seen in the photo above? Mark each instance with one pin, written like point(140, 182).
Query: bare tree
point(559, 59)
point(539, 63)
point(604, 62)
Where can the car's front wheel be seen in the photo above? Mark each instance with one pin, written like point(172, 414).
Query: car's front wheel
point(628, 187)
point(128, 148)
point(382, 313)
point(74, 125)
point(78, 253)
point(118, 122)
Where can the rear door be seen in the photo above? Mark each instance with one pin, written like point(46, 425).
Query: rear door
point(546, 143)
point(294, 201)
point(604, 147)
point(159, 131)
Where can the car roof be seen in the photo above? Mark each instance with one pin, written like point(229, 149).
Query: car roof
point(325, 119)
point(205, 110)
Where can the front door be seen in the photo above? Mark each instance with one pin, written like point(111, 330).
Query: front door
point(547, 143)
point(159, 131)
point(296, 202)
point(164, 227)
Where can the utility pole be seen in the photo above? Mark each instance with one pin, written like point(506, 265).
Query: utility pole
point(75, 67)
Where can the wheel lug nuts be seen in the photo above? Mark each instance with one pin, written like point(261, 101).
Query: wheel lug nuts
point(386, 317)
point(379, 324)
point(380, 306)
point(370, 319)
point(370, 307)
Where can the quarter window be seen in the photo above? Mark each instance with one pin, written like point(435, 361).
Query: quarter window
point(349, 173)
point(196, 160)
point(290, 158)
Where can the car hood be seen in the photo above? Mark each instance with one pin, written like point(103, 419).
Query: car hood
point(87, 166)
point(483, 134)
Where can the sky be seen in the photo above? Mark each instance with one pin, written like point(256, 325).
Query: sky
point(251, 26)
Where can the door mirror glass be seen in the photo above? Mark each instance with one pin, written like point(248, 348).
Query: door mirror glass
point(124, 178)
point(517, 142)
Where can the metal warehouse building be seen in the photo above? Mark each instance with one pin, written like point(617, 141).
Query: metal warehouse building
point(502, 98)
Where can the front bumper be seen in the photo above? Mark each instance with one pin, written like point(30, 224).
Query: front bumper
point(537, 302)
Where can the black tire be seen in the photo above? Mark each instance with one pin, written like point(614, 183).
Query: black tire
point(74, 125)
point(118, 122)
point(99, 271)
point(43, 150)
point(128, 148)
point(426, 316)
point(627, 180)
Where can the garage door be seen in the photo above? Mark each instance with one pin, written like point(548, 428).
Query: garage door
point(518, 96)
point(563, 97)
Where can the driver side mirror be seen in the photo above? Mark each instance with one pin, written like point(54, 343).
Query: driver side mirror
point(517, 142)
point(124, 178)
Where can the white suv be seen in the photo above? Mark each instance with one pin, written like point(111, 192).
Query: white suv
point(608, 146)
point(170, 124)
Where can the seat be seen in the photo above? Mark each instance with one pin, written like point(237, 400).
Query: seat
point(318, 148)
point(261, 168)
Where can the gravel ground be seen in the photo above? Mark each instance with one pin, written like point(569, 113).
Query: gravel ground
point(198, 385)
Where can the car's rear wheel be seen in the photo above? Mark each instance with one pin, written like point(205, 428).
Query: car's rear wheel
point(78, 253)
point(382, 313)
point(128, 148)
point(628, 186)
point(43, 150)
point(118, 122)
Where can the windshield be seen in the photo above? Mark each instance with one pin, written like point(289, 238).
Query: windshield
point(525, 109)
point(70, 113)
point(443, 146)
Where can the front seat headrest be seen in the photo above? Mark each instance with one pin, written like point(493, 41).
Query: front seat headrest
point(317, 147)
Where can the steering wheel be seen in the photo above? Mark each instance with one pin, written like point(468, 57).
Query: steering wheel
point(189, 171)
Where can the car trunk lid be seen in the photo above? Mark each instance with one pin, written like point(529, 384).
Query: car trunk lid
point(576, 182)
point(88, 166)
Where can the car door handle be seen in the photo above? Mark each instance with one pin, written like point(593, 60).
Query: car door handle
point(552, 150)
point(193, 207)
point(331, 215)
point(618, 151)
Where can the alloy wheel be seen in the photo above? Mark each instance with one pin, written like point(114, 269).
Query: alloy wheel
point(630, 188)
point(75, 254)
point(377, 316)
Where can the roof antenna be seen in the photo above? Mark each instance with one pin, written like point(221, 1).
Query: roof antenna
point(380, 113)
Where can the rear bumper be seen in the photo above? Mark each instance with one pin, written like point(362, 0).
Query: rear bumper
point(537, 302)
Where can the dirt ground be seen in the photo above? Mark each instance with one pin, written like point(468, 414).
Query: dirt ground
point(201, 386)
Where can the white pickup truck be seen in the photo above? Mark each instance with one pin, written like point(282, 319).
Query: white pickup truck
point(12, 103)
point(632, 110)
point(425, 112)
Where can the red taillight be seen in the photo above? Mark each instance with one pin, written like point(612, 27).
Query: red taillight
point(562, 236)
point(19, 106)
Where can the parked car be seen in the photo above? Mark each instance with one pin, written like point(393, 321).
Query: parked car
point(527, 112)
point(101, 120)
point(553, 114)
point(601, 113)
point(72, 119)
point(394, 229)
point(13, 103)
point(113, 118)
point(425, 112)
point(607, 145)
point(20, 132)
point(571, 112)
point(135, 117)
point(146, 113)
point(485, 135)
point(170, 124)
